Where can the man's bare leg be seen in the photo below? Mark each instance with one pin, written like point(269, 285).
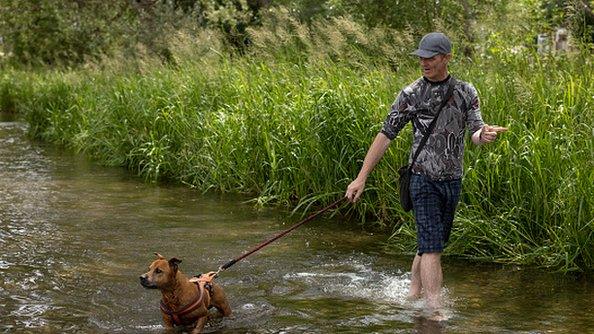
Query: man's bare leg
point(431, 278)
point(415, 278)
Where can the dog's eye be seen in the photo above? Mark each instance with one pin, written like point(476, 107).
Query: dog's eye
point(158, 271)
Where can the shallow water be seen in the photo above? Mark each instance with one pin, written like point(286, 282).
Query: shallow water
point(74, 237)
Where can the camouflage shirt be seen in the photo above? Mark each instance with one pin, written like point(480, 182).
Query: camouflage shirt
point(442, 156)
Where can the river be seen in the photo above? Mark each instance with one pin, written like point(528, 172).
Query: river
point(75, 236)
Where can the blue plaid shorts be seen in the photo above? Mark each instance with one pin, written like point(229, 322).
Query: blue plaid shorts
point(434, 204)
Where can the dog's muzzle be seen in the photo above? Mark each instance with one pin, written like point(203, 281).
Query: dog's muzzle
point(145, 282)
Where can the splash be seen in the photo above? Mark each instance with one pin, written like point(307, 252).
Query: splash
point(356, 278)
point(351, 278)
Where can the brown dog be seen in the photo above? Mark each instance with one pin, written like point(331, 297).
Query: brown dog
point(185, 301)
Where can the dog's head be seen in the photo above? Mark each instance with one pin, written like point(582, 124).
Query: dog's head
point(161, 273)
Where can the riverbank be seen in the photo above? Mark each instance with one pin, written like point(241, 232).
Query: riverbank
point(294, 133)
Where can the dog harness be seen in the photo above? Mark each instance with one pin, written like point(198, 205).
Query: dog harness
point(177, 317)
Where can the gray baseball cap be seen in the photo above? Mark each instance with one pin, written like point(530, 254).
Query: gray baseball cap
point(432, 44)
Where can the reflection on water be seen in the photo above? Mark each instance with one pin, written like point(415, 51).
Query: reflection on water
point(75, 236)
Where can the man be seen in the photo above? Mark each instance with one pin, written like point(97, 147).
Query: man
point(437, 172)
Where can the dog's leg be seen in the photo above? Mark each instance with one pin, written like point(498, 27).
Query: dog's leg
point(167, 321)
point(199, 325)
point(219, 300)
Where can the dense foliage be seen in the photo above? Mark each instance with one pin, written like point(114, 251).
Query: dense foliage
point(54, 32)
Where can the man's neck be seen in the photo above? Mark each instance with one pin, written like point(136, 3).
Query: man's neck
point(442, 79)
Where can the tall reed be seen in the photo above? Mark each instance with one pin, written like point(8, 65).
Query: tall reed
point(294, 130)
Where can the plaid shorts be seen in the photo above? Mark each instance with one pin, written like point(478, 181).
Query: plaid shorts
point(434, 204)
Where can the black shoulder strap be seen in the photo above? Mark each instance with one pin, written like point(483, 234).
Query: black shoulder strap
point(445, 100)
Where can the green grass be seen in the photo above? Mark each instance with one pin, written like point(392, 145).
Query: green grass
point(294, 132)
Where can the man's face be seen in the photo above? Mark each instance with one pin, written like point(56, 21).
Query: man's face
point(436, 67)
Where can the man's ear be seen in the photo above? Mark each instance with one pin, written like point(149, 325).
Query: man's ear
point(173, 262)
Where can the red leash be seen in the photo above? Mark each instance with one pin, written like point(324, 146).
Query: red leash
point(278, 236)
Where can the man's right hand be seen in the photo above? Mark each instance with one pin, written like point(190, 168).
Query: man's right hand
point(354, 190)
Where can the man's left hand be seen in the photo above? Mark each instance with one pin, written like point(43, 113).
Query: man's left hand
point(489, 133)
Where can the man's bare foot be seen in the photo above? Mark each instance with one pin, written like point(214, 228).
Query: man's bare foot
point(433, 303)
point(437, 315)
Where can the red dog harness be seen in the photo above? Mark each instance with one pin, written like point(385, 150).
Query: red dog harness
point(202, 282)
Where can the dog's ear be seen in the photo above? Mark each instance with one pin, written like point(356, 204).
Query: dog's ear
point(159, 256)
point(173, 262)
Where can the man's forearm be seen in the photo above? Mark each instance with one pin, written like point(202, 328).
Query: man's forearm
point(374, 155)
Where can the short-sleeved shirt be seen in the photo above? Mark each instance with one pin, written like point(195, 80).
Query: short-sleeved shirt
point(442, 156)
